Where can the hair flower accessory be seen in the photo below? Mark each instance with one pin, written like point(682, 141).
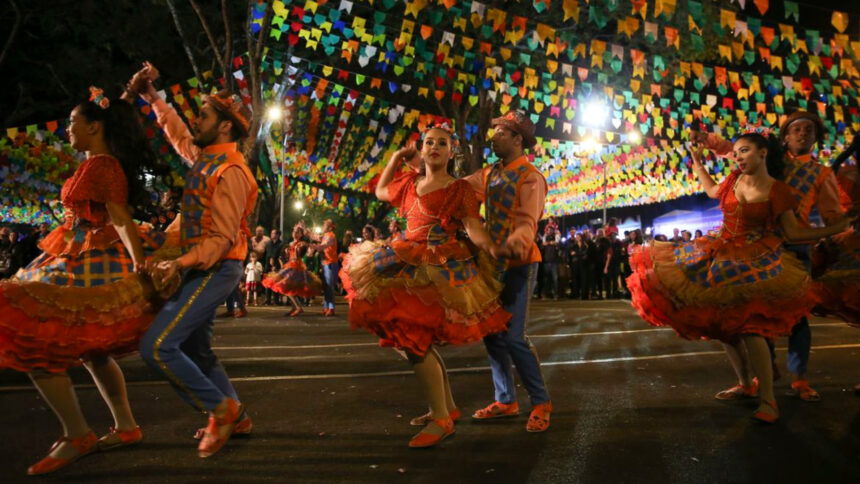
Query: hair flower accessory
point(445, 126)
point(759, 130)
point(97, 95)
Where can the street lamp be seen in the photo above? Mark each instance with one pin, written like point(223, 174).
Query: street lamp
point(275, 115)
point(634, 137)
point(595, 113)
point(298, 205)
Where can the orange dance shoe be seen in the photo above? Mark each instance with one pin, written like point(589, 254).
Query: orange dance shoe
point(426, 439)
point(119, 438)
point(84, 445)
point(213, 440)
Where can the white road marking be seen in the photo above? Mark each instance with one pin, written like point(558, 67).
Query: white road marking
point(331, 376)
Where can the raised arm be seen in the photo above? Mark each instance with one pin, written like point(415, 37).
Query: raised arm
point(708, 183)
point(175, 129)
point(408, 155)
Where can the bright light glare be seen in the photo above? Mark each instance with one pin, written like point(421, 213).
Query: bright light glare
point(317, 229)
point(634, 137)
point(298, 205)
point(274, 113)
point(596, 113)
point(589, 145)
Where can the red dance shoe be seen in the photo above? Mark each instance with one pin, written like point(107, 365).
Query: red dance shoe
point(295, 312)
point(739, 392)
point(767, 412)
point(497, 410)
point(426, 439)
point(214, 437)
point(427, 418)
point(243, 427)
point(241, 313)
point(119, 438)
point(539, 418)
point(84, 445)
point(804, 391)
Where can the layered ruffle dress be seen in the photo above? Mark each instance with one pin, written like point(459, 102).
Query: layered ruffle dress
point(734, 282)
point(81, 296)
point(839, 288)
point(294, 279)
point(428, 287)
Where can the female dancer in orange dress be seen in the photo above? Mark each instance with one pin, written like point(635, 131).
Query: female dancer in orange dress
point(427, 288)
point(839, 288)
point(83, 299)
point(295, 280)
point(738, 286)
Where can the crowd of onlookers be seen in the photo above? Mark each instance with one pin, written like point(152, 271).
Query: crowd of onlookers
point(589, 262)
point(18, 246)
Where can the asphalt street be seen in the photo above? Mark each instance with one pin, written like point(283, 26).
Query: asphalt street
point(633, 404)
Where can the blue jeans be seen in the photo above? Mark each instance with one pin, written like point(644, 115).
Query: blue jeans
point(178, 343)
point(800, 340)
point(329, 280)
point(513, 346)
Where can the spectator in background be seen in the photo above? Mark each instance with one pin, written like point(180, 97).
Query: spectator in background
point(253, 276)
point(686, 236)
point(698, 233)
point(676, 235)
point(368, 232)
point(576, 250)
point(616, 256)
point(395, 231)
point(550, 255)
point(258, 242)
point(6, 246)
point(611, 227)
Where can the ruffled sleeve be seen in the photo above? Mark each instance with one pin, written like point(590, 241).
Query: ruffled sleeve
point(781, 199)
point(398, 187)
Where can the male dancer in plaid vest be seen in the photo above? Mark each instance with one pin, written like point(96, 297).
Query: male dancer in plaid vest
point(218, 197)
point(514, 192)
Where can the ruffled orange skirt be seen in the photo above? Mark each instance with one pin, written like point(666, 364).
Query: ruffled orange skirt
point(412, 296)
point(63, 308)
point(702, 294)
point(839, 288)
point(294, 280)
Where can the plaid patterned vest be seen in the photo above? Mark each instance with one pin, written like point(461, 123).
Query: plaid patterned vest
point(805, 178)
point(501, 194)
point(200, 183)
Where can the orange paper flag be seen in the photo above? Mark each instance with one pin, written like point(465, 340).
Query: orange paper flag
point(840, 21)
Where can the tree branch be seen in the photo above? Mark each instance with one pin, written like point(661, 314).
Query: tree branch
point(228, 44)
point(14, 33)
point(205, 25)
point(188, 53)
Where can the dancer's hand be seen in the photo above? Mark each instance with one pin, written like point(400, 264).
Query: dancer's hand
point(166, 270)
point(409, 156)
point(515, 247)
point(698, 137)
